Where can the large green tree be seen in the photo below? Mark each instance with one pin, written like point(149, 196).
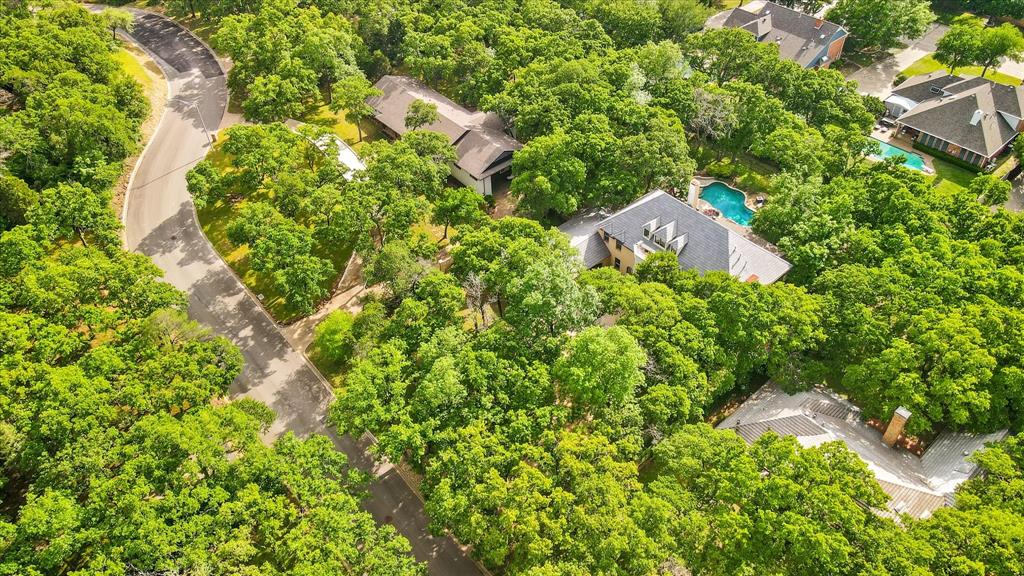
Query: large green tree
point(882, 23)
point(283, 55)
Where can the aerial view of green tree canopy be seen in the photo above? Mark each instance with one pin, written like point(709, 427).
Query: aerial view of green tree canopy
point(994, 8)
point(881, 24)
point(921, 292)
point(285, 55)
point(120, 452)
point(968, 42)
point(119, 455)
point(283, 194)
point(556, 446)
point(556, 421)
point(76, 113)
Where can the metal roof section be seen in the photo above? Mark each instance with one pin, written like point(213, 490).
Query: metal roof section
point(582, 232)
point(916, 486)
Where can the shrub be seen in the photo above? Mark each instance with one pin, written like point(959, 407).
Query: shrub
point(333, 340)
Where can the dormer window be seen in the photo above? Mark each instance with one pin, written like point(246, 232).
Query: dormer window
point(659, 241)
point(647, 232)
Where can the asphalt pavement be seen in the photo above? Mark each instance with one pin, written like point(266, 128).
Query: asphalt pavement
point(877, 79)
point(160, 222)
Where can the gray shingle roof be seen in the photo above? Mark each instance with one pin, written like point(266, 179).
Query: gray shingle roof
point(799, 36)
point(950, 118)
point(925, 86)
point(709, 245)
point(917, 486)
point(948, 115)
point(481, 144)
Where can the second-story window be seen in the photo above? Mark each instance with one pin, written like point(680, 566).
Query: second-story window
point(618, 244)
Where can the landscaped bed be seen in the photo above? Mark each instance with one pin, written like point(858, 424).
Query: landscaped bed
point(744, 170)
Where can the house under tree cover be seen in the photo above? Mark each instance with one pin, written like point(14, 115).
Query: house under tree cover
point(809, 41)
point(659, 222)
point(483, 149)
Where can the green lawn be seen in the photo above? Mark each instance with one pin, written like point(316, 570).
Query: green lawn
point(343, 128)
point(950, 178)
point(214, 221)
point(130, 64)
point(929, 64)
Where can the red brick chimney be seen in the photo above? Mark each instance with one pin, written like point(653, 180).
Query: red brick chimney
point(895, 428)
point(818, 24)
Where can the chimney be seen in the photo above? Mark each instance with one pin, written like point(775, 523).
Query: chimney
point(818, 23)
point(895, 428)
point(978, 114)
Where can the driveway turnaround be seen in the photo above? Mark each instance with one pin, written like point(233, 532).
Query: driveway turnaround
point(160, 222)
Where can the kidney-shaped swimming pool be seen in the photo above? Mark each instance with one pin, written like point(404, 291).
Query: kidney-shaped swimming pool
point(729, 201)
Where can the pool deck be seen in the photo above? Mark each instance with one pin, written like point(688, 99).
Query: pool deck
point(892, 138)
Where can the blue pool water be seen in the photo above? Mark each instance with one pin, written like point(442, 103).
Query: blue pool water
point(728, 201)
point(910, 159)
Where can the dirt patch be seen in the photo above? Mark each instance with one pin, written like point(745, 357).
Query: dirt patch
point(155, 88)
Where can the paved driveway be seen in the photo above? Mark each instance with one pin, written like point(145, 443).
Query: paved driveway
point(1016, 201)
point(161, 223)
point(877, 79)
point(1015, 69)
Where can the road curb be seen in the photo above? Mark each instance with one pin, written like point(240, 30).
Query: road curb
point(145, 149)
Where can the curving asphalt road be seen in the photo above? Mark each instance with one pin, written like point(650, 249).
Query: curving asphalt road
point(160, 222)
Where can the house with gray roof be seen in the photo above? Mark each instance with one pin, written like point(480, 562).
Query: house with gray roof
point(973, 119)
point(659, 222)
point(807, 40)
point(483, 150)
point(916, 485)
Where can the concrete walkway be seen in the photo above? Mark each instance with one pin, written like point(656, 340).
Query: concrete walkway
point(877, 79)
point(348, 295)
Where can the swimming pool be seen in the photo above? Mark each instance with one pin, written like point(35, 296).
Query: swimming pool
point(910, 159)
point(729, 201)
